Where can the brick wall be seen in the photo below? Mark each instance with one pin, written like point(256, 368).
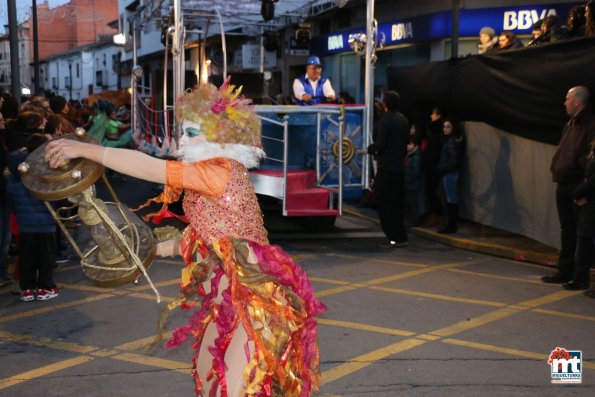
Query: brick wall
point(73, 24)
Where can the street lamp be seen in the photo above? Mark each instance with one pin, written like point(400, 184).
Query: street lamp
point(119, 39)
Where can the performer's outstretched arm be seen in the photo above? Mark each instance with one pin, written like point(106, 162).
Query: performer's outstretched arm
point(130, 162)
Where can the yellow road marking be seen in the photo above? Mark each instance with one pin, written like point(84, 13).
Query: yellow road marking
point(496, 277)
point(368, 359)
point(439, 296)
point(141, 343)
point(151, 297)
point(506, 350)
point(47, 342)
point(564, 314)
point(550, 298)
point(378, 260)
point(329, 281)
point(497, 349)
point(473, 323)
point(364, 327)
point(53, 308)
point(87, 288)
point(428, 337)
point(104, 353)
point(157, 285)
point(383, 280)
point(334, 291)
point(46, 370)
point(184, 368)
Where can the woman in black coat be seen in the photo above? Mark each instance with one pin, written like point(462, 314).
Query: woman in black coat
point(584, 197)
point(449, 168)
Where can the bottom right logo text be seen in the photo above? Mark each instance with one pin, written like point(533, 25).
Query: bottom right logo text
point(566, 365)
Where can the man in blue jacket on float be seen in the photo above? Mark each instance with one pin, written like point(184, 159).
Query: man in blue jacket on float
point(311, 88)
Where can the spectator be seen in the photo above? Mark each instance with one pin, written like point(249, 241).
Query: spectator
point(36, 231)
point(449, 168)
point(414, 177)
point(536, 34)
point(589, 19)
point(59, 106)
point(54, 126)
point(39, 105)
point(553, 30)
point(390, 149)
point(567, 173)
point(430, 163)
point(488, 42)
point(575, 25)
point(19, 130)
point(5, 236)
point(311, 88)
point(584, 197)
point(10, 107)
point(509, 41)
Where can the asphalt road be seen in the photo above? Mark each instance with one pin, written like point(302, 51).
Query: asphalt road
point(426, 320)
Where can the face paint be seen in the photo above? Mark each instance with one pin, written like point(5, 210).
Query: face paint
point(191, 134)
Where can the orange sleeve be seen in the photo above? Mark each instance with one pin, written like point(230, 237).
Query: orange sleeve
point(209, 177)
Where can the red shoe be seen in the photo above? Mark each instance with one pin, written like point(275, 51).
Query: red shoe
point(27, 295)
point(45, 294)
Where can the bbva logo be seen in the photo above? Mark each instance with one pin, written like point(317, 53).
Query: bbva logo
point(335, 42)
point(525, 19)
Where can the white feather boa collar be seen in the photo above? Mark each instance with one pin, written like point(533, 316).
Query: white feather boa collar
point(249, 156)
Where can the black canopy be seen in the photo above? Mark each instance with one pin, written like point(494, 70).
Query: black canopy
point(519, 91)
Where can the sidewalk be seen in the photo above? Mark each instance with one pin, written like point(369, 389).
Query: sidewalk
point(480, 238)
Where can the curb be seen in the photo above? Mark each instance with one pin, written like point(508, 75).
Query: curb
point(484, 247)
point(502, 251)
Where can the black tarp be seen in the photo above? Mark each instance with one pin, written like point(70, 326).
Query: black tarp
point(519, 91)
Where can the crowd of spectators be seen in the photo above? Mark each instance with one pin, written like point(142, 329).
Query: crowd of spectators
point(551, 29)
point(26, 225)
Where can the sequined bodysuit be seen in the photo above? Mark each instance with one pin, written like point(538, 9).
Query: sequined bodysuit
point(255, 331)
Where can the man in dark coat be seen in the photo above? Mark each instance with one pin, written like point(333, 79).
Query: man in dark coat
point(390, 149)
point(568, 173)
point(584, 197)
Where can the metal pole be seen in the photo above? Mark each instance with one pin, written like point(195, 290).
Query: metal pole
point(70, 80)
point(36, 49)
point(134, 83)
point(177, 64)
point(13, 31)
point(454, 36)
point(369, 81)
point(223, 44)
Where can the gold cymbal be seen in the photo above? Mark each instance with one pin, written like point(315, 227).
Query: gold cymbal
point(72, 177)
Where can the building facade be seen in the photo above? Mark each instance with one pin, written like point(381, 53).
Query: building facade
point(414, 33)
point(25, 58)
point(74, 24)
point(81, 71)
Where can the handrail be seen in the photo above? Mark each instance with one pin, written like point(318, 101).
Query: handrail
point(285, 156)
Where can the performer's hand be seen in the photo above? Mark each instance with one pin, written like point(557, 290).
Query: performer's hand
point(306, 98)
point(60, 150)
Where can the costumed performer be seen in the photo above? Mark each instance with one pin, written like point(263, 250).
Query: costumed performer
point(255, 332)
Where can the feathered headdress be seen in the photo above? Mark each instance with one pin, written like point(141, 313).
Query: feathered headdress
point(224, 115)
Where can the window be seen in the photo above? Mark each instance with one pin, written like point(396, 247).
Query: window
point(99, 78)
point(66, 82)
point(78, 70)
point(54, 82)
